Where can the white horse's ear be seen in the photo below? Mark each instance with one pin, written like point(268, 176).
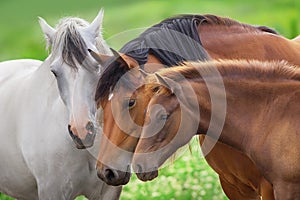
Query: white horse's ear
point(95, 27)
point(48, 31)
point(167, 82)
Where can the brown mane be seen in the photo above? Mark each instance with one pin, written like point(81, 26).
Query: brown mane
point(253, 69)
point(214, 20)
point(224, 21)
point(114, 72)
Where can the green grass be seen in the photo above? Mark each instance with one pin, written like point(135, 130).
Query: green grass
point(187, 178)
point(20, 37)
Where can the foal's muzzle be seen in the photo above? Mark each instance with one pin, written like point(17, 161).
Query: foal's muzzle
point(88, 140)
point(145, 176)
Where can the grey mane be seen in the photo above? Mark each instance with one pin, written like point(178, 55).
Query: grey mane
point(70, 43)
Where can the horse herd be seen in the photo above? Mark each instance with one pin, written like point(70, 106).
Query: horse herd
point(235, 85)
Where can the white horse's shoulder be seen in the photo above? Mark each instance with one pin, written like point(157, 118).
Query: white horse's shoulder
point(21, 63)
point(8, 68)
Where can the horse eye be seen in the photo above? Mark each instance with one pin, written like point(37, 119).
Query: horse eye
point(131, 103)
point(54, 73)
point(156, 89)
point(164, 117)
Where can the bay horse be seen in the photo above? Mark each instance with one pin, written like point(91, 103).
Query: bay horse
point(38, 101)
point(222, 38)
point(261, 119)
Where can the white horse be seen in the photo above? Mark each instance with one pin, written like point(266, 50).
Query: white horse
point(38, 159)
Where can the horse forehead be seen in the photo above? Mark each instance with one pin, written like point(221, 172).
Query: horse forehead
point(162, 100)
point(87, 37)
point(121, 92)
point(57, 62)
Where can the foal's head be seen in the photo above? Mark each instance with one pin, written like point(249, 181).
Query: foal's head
point(172, 118)
point(76, 71)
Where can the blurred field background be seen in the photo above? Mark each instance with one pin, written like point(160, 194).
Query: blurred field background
point(188, 177)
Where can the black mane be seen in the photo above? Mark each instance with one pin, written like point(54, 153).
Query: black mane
point(173, 41)
point(166, 41)
point(109, 78)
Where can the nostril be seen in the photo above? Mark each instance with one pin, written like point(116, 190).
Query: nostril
point(109, 174)
point(69, 128)
point(139, 168)
point(71, 132)
point(76, 139)
point(90, 127)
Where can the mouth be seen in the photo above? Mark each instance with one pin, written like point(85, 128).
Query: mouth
point(147, 176)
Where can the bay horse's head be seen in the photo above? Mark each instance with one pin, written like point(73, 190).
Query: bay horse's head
point(116, 94)
point(76, 72)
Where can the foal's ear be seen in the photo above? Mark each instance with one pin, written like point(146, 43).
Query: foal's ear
point(48, 31)
point(124, 60)
point(167, 82)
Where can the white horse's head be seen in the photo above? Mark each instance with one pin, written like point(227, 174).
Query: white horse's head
point(76, 71)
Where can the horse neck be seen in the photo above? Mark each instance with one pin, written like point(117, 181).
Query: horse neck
point(153, 64)
point(297, 39)
point(249, 104)
point(239, 43)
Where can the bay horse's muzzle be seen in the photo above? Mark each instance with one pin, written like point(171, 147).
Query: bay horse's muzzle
point(88, 140)
point(114, 177)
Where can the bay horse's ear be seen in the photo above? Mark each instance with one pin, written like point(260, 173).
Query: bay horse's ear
point(124, 59)
point(115, 53)
point(48, 31)
point(167, 82)
point(100, 58)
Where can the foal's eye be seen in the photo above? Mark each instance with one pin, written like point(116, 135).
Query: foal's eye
point(131, 103)
point(164, 117)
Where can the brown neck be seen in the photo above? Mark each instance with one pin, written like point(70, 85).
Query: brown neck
point(238, 43)
point(251, 106)
point(153, 64)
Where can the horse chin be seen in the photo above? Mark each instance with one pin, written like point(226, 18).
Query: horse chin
point(147, 176)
